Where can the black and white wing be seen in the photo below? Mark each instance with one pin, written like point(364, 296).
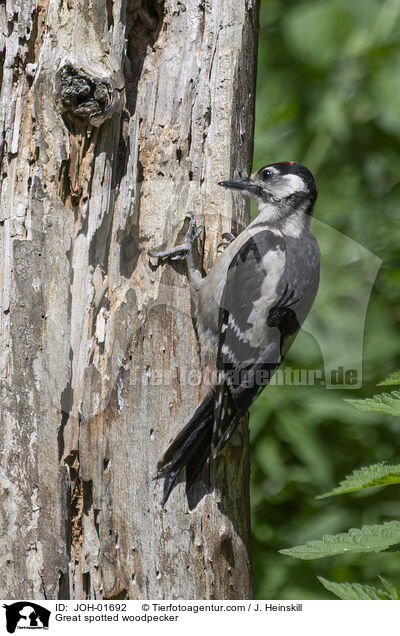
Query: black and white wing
point(249, 349)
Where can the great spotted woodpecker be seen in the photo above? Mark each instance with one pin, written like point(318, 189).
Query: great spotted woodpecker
point(249, 308)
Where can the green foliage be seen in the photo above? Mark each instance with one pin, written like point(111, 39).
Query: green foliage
point(388, 403)
point(366, 539)
point(390, 588)
point(382, 474)
point(356, 591)
point(393, 378)
point(328, 95)
point(375, 538)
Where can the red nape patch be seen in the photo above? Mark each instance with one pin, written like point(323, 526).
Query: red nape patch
point(289, 162)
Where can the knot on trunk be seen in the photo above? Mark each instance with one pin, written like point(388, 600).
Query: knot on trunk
point(93, 99)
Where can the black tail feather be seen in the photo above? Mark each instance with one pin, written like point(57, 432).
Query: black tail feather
point(190, 448)
point(196, 463)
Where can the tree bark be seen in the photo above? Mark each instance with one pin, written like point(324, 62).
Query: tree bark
point(117, 118)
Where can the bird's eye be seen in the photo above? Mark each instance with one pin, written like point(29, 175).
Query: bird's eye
point(266, 174)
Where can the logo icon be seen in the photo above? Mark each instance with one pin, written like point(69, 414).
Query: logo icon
point(26, 615)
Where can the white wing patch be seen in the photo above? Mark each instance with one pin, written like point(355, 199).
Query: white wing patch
point(274, 265)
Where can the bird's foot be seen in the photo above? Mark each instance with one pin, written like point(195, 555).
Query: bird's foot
point(185, 250)
point(228, 238)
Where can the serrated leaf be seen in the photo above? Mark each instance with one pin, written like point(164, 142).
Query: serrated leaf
point(391, 380)
point(355, 591)
point(367, 539)
point(390, 588)
point(388, 403)
point(381, 474)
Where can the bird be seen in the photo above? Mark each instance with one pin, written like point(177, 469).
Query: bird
point(248, 308)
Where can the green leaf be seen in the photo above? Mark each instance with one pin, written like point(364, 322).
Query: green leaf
point(355, 591)
point(393, 378)
point(381, 474)
point(390, 588)
point(388, 403)
point(367, 539)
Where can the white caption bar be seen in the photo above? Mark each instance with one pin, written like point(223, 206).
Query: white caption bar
point(176, 617)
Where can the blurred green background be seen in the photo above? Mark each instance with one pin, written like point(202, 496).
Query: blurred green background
point(328, 95)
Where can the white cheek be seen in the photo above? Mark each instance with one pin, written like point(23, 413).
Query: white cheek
point(289, 184)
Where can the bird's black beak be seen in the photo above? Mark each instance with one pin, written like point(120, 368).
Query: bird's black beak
point(248, 186)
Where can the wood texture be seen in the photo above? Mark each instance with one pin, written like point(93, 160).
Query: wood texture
point(117, 118)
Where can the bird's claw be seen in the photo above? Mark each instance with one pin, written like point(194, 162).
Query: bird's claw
point(185, 249)
point(229, 237)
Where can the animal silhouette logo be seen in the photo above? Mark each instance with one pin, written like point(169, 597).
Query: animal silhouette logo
point(26, 615)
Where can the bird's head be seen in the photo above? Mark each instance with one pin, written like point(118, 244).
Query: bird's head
point(286, 186)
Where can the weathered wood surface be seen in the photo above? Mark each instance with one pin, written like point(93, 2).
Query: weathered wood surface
point(116, 120)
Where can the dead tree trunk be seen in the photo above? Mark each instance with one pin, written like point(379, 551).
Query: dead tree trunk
point(117, 118)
